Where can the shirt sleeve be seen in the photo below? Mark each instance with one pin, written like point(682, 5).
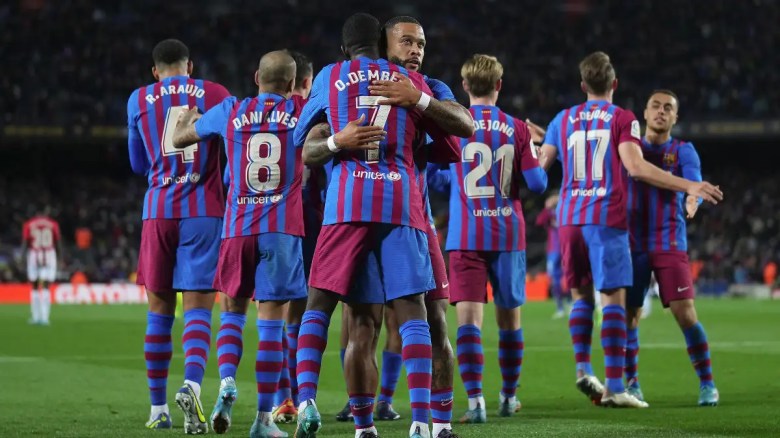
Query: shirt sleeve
point(439, 178)
point(628, 130)
point(215, 121)
point(527, 161)
point(690, 163)
point(315, 107)
point(226, 176)
point(553, 134)
point(139, 162)
point(440, 90)
point(442, 147)
point(216, 94)
point(543, 219)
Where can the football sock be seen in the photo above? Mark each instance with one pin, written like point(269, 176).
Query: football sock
point(312, 340)
point(158, 350)
point(470, 359)
point(391, 372)
point(699, 353)
point(268, 362)
point(418, 361)
point(581, 329)
point(613, 340)
point(197, 343)
point(230, 343)
point(510, 359)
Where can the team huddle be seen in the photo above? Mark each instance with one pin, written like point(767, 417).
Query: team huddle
point(326, 202)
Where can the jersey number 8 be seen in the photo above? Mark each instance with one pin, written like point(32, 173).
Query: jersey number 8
point(269, 161)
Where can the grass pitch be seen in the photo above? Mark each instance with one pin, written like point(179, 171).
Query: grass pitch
point(84, 376)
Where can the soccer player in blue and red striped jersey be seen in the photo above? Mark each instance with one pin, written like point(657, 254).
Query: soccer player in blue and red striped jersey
point(486, 234)
point(261, 253)
point(286, 398)
point(182, 218)
point(656, 225)
point(403, 39)
point(373, 208)
point(548, 220)
point(594, 141)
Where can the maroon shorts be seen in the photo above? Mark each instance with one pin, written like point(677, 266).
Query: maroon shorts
point(179, 254)
point(672, 271)
point(442, 291)
point(470, 272)
point(264, 267)
point(372, 263)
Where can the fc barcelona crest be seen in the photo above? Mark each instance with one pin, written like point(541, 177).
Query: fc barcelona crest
point(670, 159)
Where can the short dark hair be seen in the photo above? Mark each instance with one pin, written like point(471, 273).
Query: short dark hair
point(303, 65)
point(597, 72)
point(360, 32)
point(400, 19)
point(169, 52)
point(665, 91)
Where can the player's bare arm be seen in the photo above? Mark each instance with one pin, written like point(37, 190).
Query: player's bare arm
point(185, 134)
point(354, 136)
point(450, 116)
point(537, 132)
point(639, 168)
point(691, 206)
point(547, 155)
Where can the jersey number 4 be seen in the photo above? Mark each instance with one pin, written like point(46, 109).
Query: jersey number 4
point(187, 153)
point(578, 141)
point(487, 158)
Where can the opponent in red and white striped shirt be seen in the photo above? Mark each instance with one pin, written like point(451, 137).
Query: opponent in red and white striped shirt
point(40, 235)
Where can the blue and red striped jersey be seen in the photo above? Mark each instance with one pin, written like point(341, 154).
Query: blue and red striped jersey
point(486, 212)
point(184, 182)
point(549, 221)
point(587, 138)
point(265, 167)
point(368, 186)
point(656, 217)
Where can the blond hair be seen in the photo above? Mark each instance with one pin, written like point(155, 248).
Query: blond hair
point(481, 72)
point(597, 73)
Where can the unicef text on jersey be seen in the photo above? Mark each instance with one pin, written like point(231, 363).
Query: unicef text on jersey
point(187, 177)
point(588, 193)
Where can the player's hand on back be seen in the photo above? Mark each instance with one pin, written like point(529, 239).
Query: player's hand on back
point(537, 132)
point(706, 191)
point(356, 136)
point(188, 117)
point(400, 92)
point(691, 206)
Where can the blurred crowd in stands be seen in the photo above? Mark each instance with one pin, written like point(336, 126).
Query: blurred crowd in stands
point(87, 56)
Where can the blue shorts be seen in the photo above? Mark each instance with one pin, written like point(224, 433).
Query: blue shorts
point(372, 263)
point(265, 267)
point(554, 267)
point(471, 270)
point(597, 255)
point(179, 254)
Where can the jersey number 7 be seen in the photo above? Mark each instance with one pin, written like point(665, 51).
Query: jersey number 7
point(379, 118)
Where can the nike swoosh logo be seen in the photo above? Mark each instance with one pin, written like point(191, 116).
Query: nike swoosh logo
point(446, 403)
point(443, 285)
point(680, 289)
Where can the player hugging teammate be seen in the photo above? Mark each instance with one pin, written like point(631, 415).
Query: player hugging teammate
point(349, 168)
